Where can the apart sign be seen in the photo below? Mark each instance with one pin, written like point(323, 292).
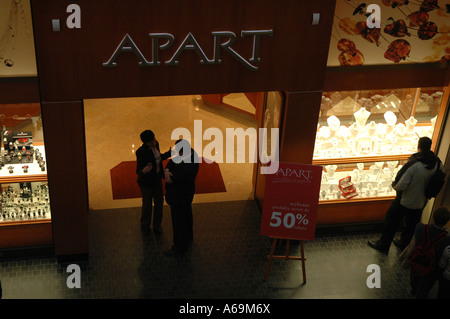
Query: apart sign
point(190, 43)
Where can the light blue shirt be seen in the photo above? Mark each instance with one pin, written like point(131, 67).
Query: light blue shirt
point(412, 185)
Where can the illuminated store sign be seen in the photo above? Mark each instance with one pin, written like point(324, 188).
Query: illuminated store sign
point(223, 41)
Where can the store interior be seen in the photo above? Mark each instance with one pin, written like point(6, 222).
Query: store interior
point(112, 136)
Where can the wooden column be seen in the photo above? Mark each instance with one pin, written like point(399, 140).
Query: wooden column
point(65, 149)
point(300, 126)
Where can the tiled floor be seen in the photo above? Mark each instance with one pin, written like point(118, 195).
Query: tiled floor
point(227, 260)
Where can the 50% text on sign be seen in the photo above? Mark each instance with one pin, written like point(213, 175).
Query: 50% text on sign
point(289, 220)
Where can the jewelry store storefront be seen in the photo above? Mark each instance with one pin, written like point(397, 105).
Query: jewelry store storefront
point(344, 105)
point(385, 87)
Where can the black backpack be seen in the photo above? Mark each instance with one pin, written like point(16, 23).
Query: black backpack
point(424, 259)
point(436, 182)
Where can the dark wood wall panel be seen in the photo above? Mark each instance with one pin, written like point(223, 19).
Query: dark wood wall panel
point(387, 77)
point(19, 90)
point(352, 212)
point(66, 161)
point(300, 125)
point(26, 235)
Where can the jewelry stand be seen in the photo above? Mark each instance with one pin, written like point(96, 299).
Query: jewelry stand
point(391, 120)
point(333, 123)
point(302, 257)
point(410, 124)
point(361, 116)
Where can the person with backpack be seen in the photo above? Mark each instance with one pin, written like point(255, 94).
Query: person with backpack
point(410, 185)
point(429, 243)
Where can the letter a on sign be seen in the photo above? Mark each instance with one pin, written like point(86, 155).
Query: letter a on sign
point(74, 19)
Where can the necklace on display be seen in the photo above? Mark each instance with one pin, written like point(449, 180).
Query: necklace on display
point(361, 116)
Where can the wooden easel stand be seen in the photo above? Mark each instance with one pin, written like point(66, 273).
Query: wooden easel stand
point(286, 256)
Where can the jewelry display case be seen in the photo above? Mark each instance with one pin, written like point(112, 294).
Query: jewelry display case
point(362, 140)
point(368, 180)
point(25, 214)
point(25, 201)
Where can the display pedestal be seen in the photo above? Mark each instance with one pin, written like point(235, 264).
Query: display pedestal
point(287, 256)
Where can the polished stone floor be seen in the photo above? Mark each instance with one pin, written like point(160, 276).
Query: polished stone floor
point(226, 261)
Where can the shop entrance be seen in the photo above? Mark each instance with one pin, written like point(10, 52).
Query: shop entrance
point(113, 126)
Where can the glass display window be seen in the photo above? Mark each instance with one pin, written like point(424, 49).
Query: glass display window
point(25, 201)
point(366, 124)
point(364, 137)
point(23, 168)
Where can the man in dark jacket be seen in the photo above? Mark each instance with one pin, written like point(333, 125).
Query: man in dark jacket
point(410, 184)
point(180, 174)
point(150, 173)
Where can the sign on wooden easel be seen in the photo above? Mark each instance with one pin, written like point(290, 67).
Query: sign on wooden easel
point(290, 206)
point(287, 256)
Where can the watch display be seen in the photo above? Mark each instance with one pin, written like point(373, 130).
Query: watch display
point(24, 189)
point(19, 156)
point(24, 201)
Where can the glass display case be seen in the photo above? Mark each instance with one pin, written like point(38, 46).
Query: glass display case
point(364, 137)
point(25, 201)
point(25, 216)
point(358, 180)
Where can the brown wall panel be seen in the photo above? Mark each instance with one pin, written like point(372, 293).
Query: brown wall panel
point(352, 212)
point(26, 235)
point(386, 77)
point(19, 90)
point(299, 130)
point(70, 61)
point(66, 162)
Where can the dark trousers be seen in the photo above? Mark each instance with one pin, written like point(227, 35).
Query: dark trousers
point(182, 223)
point(421, 285)
point(393, 219)
point(152, 197)
point(444, 288)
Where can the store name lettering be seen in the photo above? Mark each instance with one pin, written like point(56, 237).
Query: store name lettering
point(223, 42)
point(299, 173)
